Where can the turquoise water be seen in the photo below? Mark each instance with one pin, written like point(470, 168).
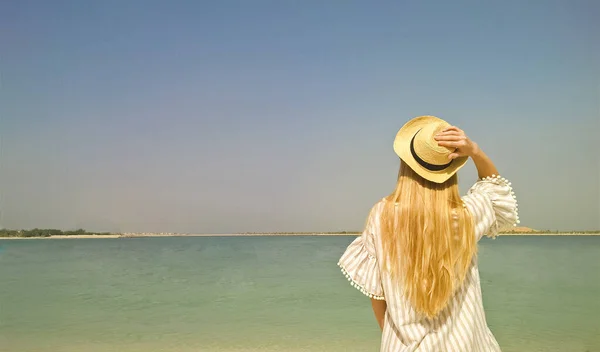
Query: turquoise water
point(268, 294)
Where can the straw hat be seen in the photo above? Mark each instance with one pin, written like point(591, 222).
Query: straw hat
point(415, 145)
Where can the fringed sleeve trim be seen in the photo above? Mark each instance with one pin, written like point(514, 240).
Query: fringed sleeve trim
point(361, 269)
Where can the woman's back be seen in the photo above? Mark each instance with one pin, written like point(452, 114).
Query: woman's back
point(460, 324)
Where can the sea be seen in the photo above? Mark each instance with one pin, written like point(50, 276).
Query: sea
point(269, 293)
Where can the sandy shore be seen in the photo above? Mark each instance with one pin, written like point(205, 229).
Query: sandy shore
point(551, 234)
point(61, 237)
point(256, 235)
point(356, 234)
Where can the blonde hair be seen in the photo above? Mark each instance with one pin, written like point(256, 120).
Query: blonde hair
point(428, 239)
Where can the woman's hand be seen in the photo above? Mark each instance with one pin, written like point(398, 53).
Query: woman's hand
point(454, 137)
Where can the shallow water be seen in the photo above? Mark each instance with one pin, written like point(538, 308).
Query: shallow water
point(268, 294)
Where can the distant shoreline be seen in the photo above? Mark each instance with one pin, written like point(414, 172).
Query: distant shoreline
point(263, 235)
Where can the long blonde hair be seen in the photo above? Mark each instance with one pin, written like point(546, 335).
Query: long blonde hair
point(428, 239)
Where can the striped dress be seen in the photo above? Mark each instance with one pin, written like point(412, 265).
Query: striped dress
point(462, 325)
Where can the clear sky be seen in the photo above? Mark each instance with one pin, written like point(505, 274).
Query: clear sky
point(235, 116)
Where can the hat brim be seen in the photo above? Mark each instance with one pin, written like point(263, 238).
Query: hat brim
point(402, 149)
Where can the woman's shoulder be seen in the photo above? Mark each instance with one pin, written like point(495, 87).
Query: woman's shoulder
point(376, 211)
point(378, 206)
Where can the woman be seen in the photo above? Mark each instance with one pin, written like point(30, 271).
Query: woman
point(416, 258)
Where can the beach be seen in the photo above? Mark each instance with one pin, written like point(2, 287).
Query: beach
point(143, 235)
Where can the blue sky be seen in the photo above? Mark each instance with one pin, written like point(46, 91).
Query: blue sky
point(235, 116)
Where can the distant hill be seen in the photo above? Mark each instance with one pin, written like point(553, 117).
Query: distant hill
point(522, 229)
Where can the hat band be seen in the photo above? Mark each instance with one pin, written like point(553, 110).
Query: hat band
point(428, 166)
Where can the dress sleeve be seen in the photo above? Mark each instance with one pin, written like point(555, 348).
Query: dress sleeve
point(493, 205)
point(359, 263)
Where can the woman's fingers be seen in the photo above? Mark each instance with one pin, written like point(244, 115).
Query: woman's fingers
point(451, 144)
point(453, 137)
point(449, 137)
point(450, 133)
